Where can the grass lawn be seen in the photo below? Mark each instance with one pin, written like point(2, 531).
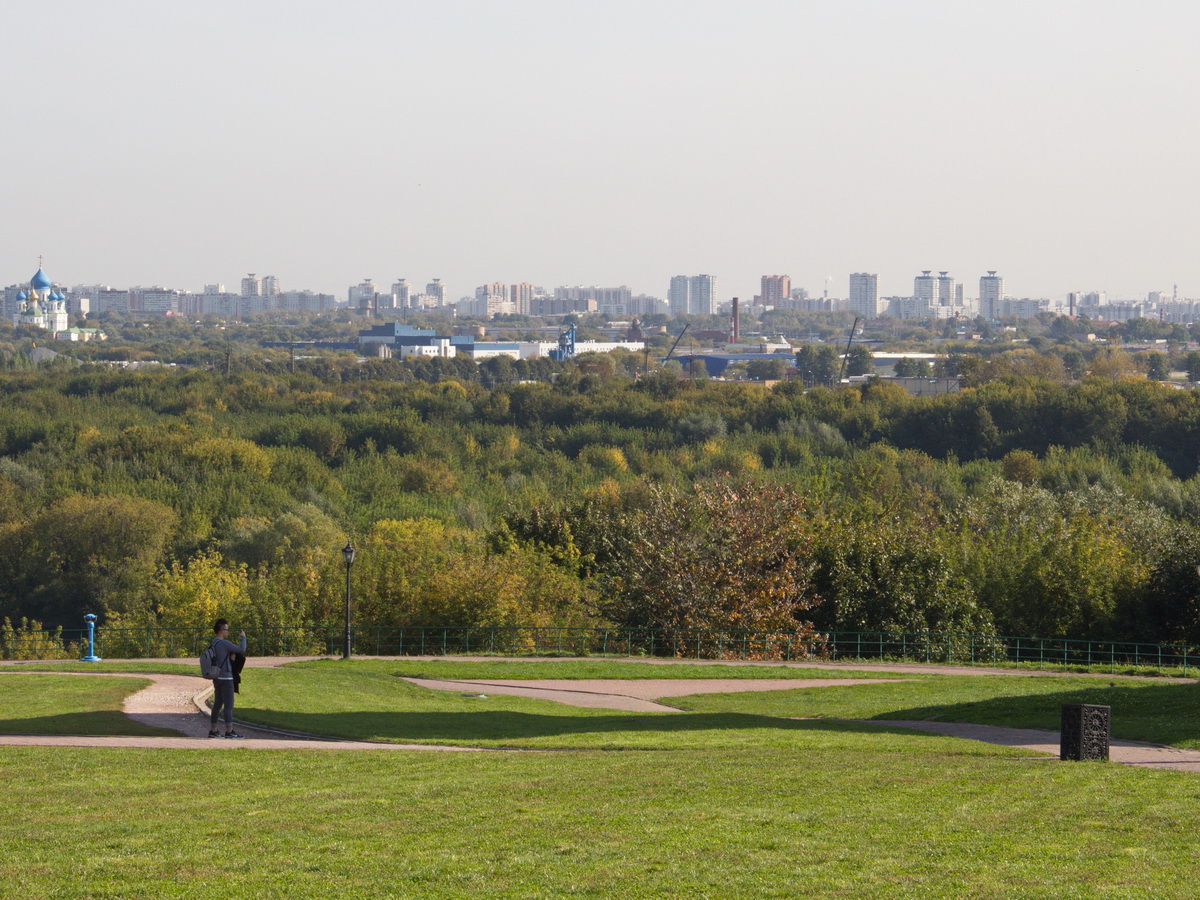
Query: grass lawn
point(728, 800)
point(129, 665)
point(66, 704)
point(589, 668)
point(837, 813)
point(1142, 710)
point(364, 699)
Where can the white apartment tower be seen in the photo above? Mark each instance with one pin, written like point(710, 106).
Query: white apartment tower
point(692, 295)
point(402, 291)
point(270, 286)
point(362, 296)
point(926, 289)
point(864, 294)
point(948, 289)
point(991, 295)
point(436, 289)
point(251, 286)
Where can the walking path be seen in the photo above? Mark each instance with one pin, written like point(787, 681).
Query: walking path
point(629, 695)
point(176, 702)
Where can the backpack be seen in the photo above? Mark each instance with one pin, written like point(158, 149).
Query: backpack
point(208, 663)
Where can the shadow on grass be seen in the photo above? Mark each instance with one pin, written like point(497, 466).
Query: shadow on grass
point(98, 722)
point(1160, 713)
point(503, 725)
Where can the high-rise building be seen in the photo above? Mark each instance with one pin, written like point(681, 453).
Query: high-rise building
point(864, 294)
point(991, 295)
point(492, 300)
point(692, 295)
point(402, 291)
point(270, 285)
point(362, 296)
point(948, 289)
point(926, 289)
point(775, 289)
point(251, 286)
point(610, 301)
point(521, 296)
point(436, 289)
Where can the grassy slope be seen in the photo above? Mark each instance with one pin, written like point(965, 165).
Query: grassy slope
point(587, 668)
point(65, 704)
point(130, 665)
point(836, 814)
point(723, 802)
point(364, 700)
point(1162, 712)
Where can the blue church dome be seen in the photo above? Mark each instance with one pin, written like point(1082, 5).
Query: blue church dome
point(22, 297)
point(39, 280)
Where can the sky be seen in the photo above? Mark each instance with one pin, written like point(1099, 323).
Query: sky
point(603, 142)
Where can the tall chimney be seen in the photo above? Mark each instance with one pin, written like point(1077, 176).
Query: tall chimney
point(735, 325)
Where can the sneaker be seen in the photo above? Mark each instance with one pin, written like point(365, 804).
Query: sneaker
point(213, 734)
point(234, 734)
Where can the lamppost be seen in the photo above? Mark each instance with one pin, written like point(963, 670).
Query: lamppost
point(348, 556)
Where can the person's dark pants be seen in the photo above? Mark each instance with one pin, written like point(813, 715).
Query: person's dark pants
point(223, 700)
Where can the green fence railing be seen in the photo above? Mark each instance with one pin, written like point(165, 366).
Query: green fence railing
point(380, 640)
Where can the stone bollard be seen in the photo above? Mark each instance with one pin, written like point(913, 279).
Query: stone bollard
point(1085, 731)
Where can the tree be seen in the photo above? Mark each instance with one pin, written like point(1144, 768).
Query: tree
point(818, 364)
point(859, 361)
point(1112, 363)
point(727, 555)
point(1157, 365)
point(765, 369)
point(895, 578)
point(1075, 363)
point(85, 554)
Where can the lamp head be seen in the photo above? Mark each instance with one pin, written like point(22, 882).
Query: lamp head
point(348, 554)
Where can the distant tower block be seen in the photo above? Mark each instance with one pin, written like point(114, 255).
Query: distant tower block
point(991, 295)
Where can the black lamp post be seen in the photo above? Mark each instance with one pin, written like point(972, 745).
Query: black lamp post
point(348, 556)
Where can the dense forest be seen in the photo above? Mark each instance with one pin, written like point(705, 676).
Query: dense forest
point(1030, 503)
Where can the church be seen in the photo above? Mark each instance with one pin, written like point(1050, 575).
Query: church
point(42, 306)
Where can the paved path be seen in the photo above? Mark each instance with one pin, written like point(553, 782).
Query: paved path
point(630, 695)
point(176, 702)
point(1134, 753)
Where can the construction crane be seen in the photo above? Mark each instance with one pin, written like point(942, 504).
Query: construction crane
point(677, 340)
point(846, 355)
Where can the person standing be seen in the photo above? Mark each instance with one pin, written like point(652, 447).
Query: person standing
point(224, 652)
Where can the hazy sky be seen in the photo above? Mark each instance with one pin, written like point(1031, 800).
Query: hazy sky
point(608, 142)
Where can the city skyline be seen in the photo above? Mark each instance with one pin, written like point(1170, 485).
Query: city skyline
point(614, 143)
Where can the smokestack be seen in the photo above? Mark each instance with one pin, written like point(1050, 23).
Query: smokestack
point(735, 325)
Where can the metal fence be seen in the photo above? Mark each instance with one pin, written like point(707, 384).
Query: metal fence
point(377, 640)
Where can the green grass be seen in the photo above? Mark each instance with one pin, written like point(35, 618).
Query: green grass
point(64, 704)
point(365, 700)
point(1161, 712)
point(730, 799)
point(839, 814)
point(155, 668)
point(584, 668)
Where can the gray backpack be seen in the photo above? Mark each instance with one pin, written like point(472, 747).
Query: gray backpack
point(208, 663)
